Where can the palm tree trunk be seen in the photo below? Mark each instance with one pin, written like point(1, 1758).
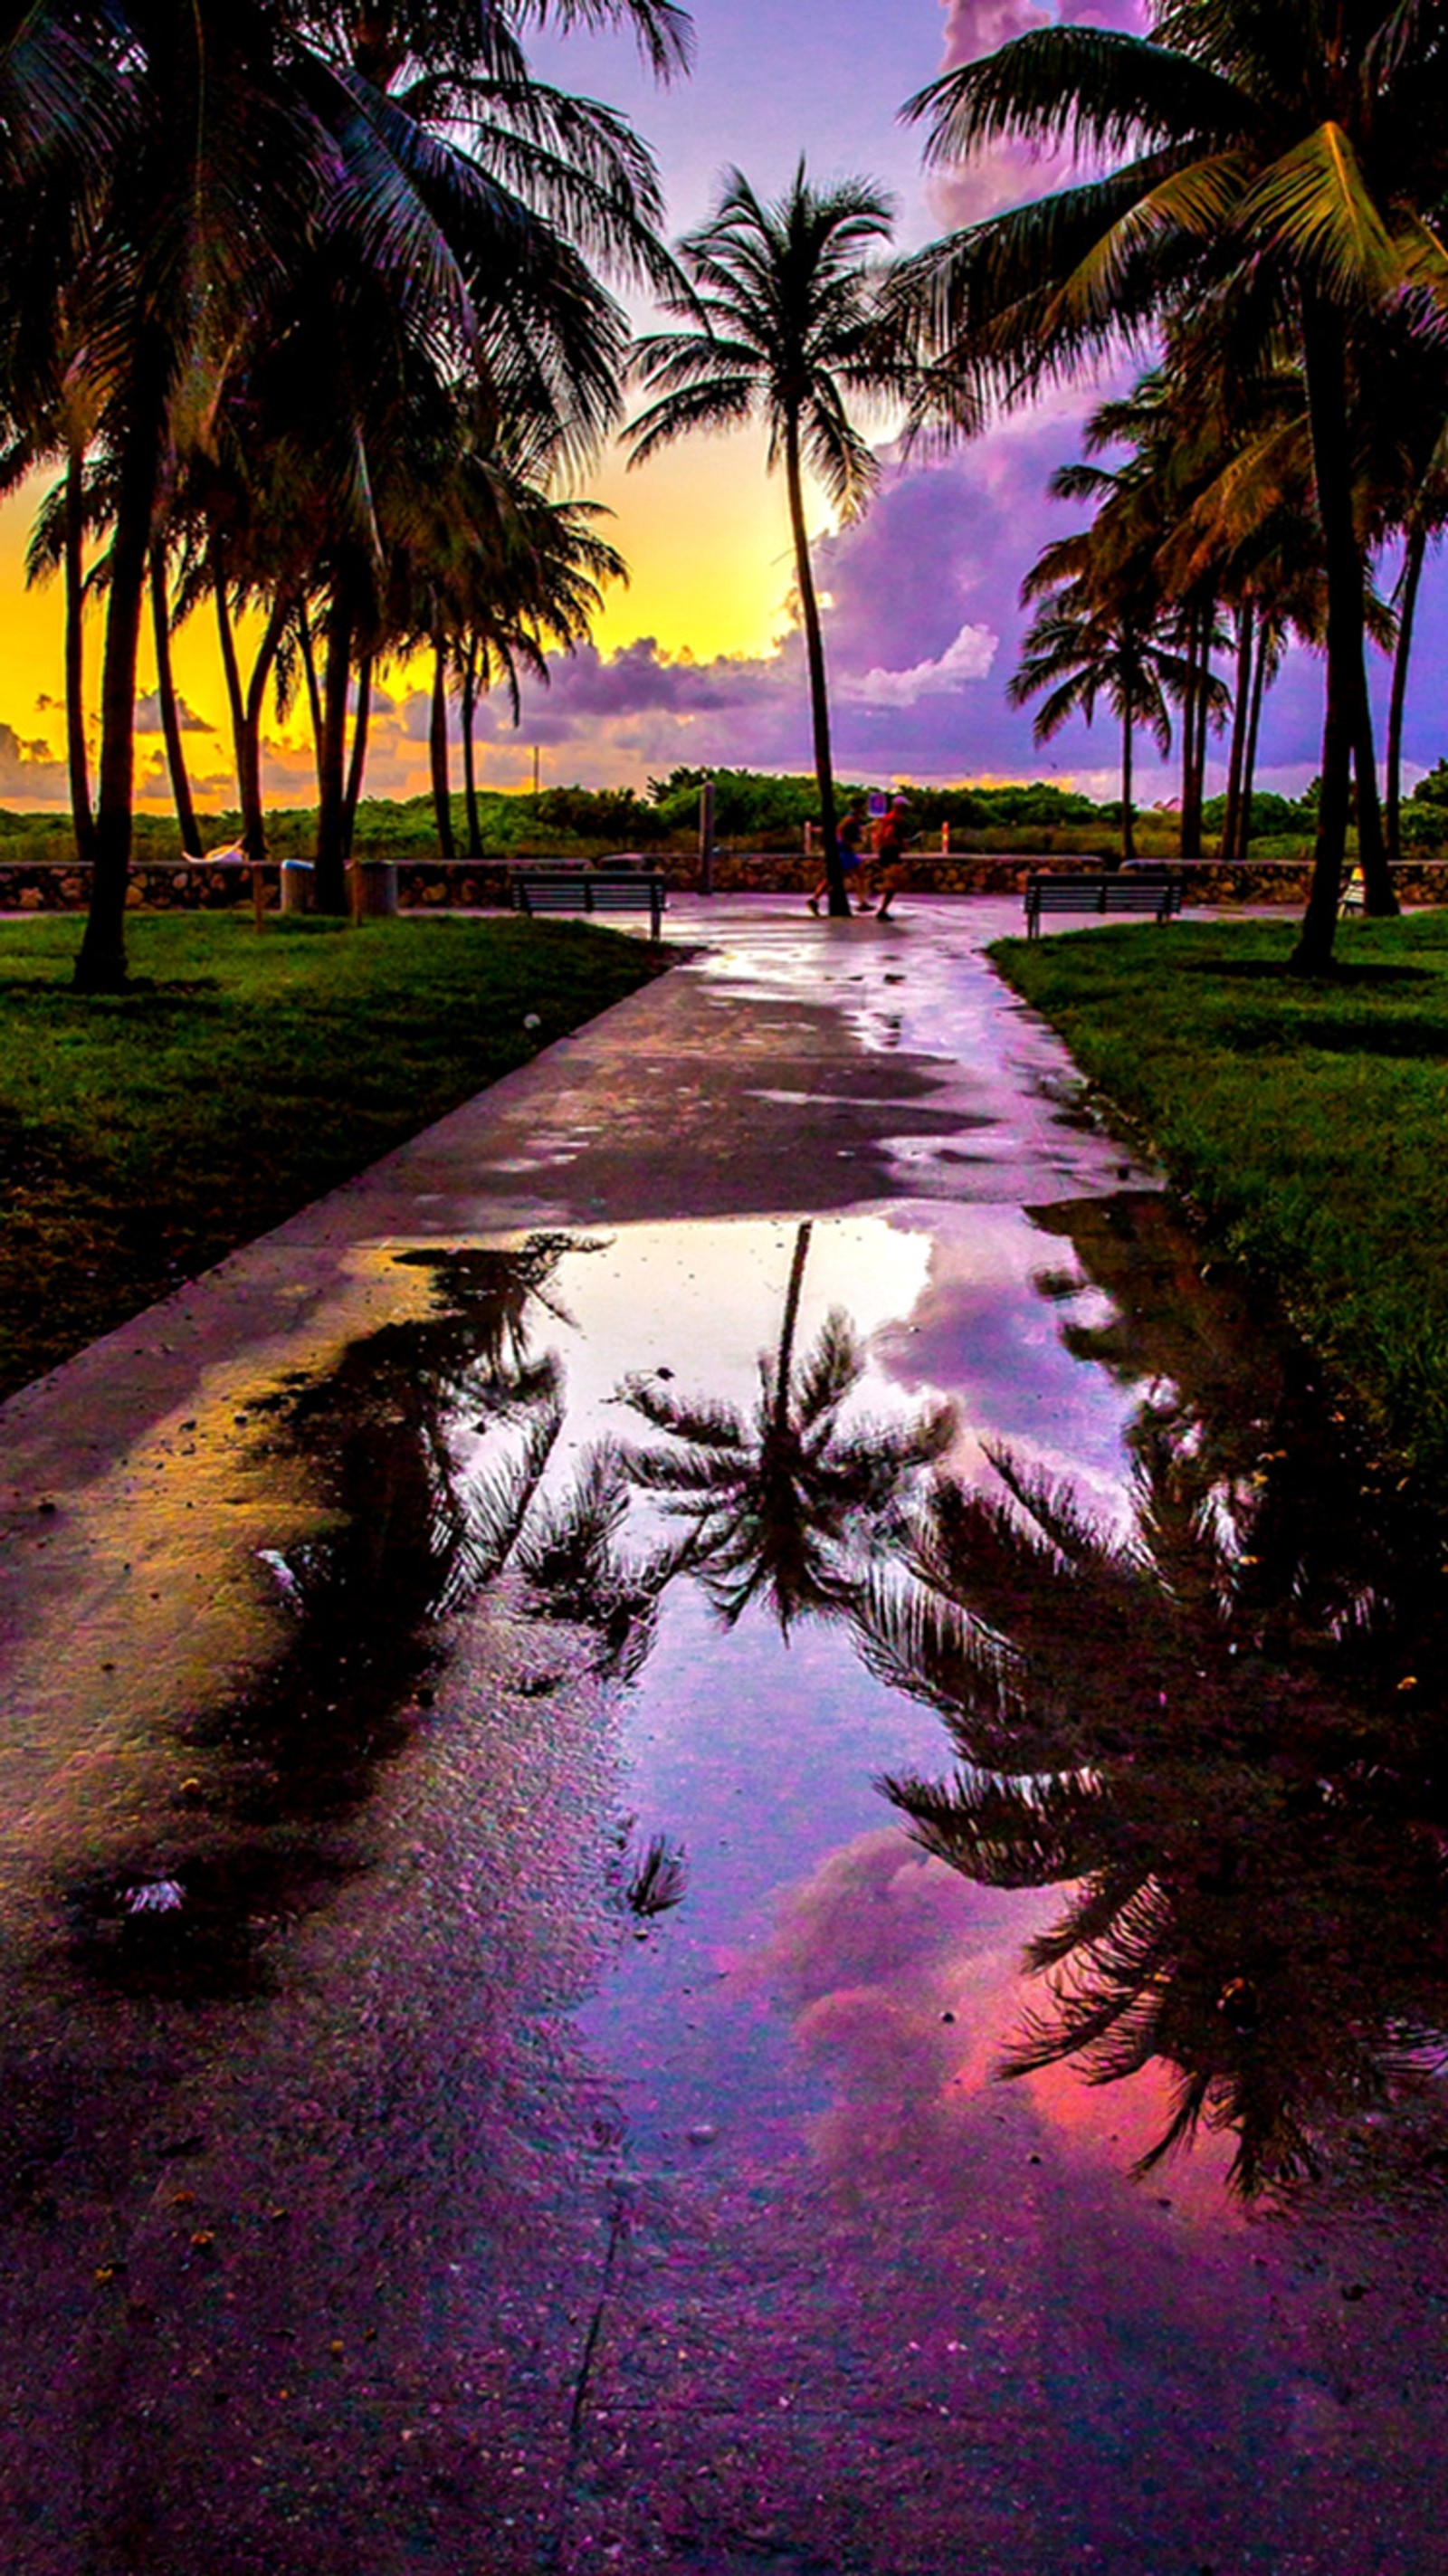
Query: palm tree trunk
point(437, 752)
point(789, 1327)
point(1253, 730)
point(235, 699)
point(1378, 896)
point(1199, 757)
point(100, 966)
point(1241, 708)
point(358, 762)
point(839, 901)
point(314, 694)
point(330, 884)
point(1413, 561)
point(1326, 361)
point(1191, 826)
point(470, 763)
point(1128, 819)
point(253, 810)
point(83, 821)
point(170, 712)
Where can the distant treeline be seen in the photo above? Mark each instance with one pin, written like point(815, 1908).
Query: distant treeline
point(752, 809)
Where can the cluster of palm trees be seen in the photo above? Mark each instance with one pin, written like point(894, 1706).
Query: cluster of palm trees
point(1264, 198)
point(311, 304)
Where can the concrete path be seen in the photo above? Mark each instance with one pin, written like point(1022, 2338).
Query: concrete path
point(380, 2191)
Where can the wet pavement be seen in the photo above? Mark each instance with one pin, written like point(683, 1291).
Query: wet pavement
point(725, 1851)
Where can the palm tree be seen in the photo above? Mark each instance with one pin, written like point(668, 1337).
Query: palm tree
point(778, 328)
point(778, 1506)
point(1083, 645)
point(1302, 158)
point(1426, 519)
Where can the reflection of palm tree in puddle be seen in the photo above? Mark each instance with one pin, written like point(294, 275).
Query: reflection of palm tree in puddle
point(417, 1526)
point(1207, 1725)
point(778, 1505)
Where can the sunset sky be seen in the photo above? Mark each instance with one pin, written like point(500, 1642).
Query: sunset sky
point(697, 660)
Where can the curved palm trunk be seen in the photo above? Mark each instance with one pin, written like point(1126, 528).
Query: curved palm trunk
point(437, 751)
point(1326, 361)
point(839, 900)
point(82, 818)
point(789, 1327)
point(100, 966)
point(330, 884)
point(181, 796)
point(1413, 561)
point(357, 765)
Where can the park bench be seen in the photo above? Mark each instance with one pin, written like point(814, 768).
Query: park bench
point(1158, 892)
point(591, 890)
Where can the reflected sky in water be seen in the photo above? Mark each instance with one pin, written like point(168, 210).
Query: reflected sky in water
point(827, 1987)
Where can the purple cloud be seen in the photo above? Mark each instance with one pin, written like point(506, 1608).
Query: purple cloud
point(148, 715)
point(1011, 172)
point(28, 775)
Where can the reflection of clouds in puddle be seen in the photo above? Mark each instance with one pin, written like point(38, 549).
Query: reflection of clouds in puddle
point(981, 1331)
point(904, 1981)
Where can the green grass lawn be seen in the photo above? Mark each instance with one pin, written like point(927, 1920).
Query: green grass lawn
point(143, 1137)
point(1308, 1121)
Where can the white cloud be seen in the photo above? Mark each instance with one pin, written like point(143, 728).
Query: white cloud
point(970, 656)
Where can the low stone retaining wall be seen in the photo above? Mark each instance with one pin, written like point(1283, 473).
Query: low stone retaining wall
point(156, 886)
point(466, 885)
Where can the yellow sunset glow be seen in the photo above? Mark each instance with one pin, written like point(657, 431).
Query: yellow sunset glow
point(704, 530)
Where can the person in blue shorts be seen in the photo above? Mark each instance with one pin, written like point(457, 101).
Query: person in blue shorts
point(849, 840)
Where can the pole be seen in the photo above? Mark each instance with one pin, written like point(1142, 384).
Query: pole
point(535, 776)
point(706, 837)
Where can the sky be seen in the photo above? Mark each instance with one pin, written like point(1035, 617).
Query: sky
point(698, 659)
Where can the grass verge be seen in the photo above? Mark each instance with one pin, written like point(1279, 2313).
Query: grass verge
point(143, 1137)
point(1307, 1121)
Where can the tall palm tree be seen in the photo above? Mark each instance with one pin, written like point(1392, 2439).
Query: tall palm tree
point(1301, 153)
point(779, 329)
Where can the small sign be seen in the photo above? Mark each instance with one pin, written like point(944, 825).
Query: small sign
point(879, 804)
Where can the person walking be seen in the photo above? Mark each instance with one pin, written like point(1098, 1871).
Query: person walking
point(891, 834)
point(848, 839)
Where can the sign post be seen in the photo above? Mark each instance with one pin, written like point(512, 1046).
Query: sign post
point(706, 837)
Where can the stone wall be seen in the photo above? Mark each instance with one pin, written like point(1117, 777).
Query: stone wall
point(468, 885)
